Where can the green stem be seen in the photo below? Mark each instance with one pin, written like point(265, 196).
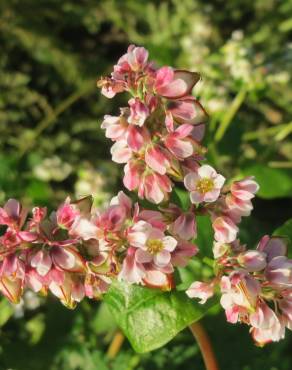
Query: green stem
point(228, 116)
point(279, 132)
point(205, 346)
point(282, 134)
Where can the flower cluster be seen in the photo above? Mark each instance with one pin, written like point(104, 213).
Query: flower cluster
point(250, 281)
point(256, 286)
point(158, 135)
point(78, 251)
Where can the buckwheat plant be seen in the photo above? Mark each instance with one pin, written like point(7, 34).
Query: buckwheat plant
point(132, 253)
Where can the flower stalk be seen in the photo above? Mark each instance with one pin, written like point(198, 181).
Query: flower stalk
point(115, 345)
point(205, 346)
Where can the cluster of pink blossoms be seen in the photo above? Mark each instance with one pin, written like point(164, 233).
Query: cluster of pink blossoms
point(77, 251)
point(256, 286)
point(158, 135)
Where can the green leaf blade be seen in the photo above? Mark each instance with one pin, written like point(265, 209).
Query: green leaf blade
point(150, 318)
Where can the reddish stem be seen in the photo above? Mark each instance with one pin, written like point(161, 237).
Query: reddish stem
point(115, 345)
point(205, 346)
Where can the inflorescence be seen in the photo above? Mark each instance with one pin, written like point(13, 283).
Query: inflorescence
point(77, 251)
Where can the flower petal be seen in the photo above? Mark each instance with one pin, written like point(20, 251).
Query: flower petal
point(169, 243)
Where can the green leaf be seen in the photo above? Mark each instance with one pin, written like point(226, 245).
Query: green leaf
point(274, 182)
point(285, 230)
point(181, 198)
point(102, 322)
point(205, 236)
point(150, 318)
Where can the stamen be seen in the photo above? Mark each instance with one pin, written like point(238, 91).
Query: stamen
point(204, 185)
point(154, 246)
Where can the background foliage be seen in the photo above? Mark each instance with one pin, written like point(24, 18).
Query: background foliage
point(52, 145)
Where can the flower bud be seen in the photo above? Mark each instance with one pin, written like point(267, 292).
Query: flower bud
point(279, 271)
point(252, 260)
point(201, 290)
point(225, 230)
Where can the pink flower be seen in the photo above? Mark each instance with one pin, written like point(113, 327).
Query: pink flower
point(69, 292)
point(38, 215)
point(120, 151)
point(137, 137)
point(110, 87)
point(134, 60)
point(252, 260)
point(84, 228)
point(272, 334)
point(138, 234)
point(285, 305)
point(132, 271)
point(154, 187)
point(139, 112)
point(187, 110)
point(201, 290)
point(38, 282)
point(266, 325)
point(42, 262)
point(12, 273)
point(205, 185)
point(133, 172)
point(122, 200)
point(96, 285)
point(179, 143)
point(154, 218)
point(158, 280)
point(225, 230)
point(244, 189)
point(115, 127)
point(157, 249)
point(173, 84)
point(279, 271)
point(112, 219)
point(238, 207)
point(13, 216)
point(263, 317)
point(66, 215)
point(220, 249)
point(184, 226)
point(273, 246)
point(239, 295)
point(64, 258)
point(183, 252)
point(157, 159)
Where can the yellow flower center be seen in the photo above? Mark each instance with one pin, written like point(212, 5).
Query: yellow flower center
point(154, 246)
point(204, 185)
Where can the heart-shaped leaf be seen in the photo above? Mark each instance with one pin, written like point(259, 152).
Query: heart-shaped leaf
point(149, 317)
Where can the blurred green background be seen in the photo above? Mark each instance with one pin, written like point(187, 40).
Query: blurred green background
point(51, 145)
